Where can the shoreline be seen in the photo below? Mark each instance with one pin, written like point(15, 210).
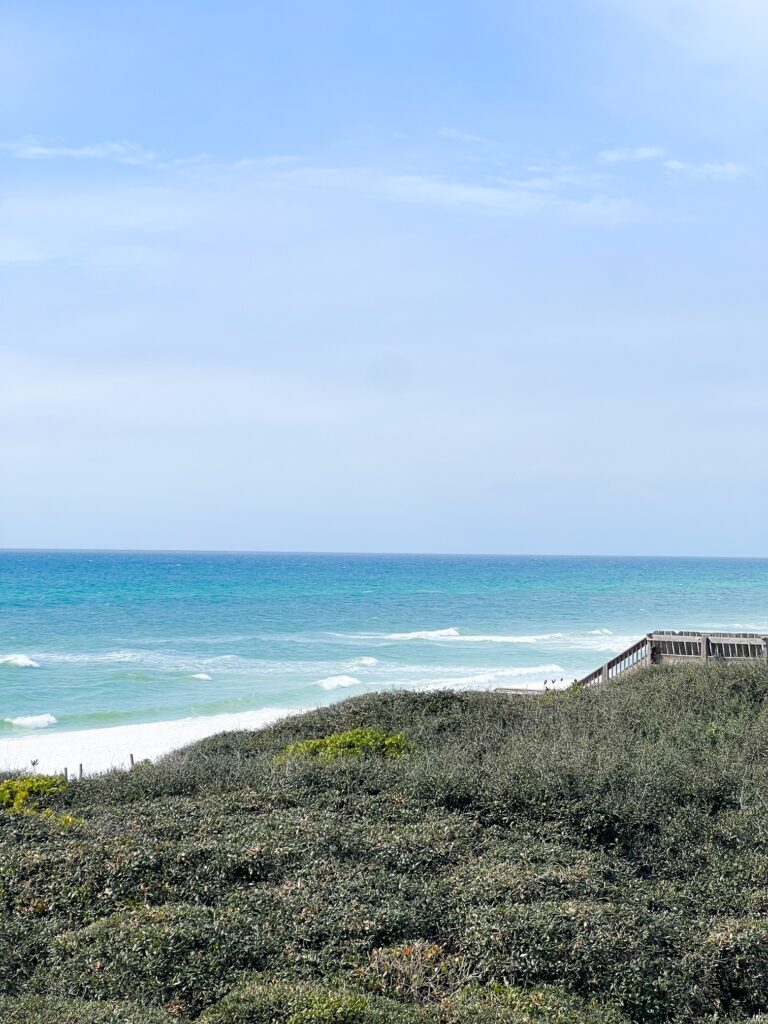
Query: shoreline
point(98, 750)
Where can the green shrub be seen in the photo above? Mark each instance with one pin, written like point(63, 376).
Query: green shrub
point(352, 743)
point(181, 957)
point(633, 956)
point(41, 1010)
point(264, 1002)
point(731, 967)
point(23, 947)
point(498, 1004)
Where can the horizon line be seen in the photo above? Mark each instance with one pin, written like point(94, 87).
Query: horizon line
point(363, 554)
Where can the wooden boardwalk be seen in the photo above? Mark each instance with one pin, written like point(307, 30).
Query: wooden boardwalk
point(667, 645)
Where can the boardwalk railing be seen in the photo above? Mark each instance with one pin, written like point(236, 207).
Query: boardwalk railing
point(667, 645)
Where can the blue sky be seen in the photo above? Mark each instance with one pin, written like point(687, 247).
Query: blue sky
point(474, 277)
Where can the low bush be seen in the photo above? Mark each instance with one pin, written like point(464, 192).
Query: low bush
point(499, 1004)
point(42, 1010)
point(265, 1002)
point(731, 967)
point(179, 957)
point(631, 954)
point(23, 946)
point(352, 743)
point(29, 793)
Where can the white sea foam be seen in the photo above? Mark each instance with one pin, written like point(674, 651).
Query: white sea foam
point(333, 682)
point(608, 643)
point(366, 662)
point(425, 678)
point(18, 661)
point(734, 627)
point(104, 657)
point(492, 638)
point(419, 634)
point(454, 634)
point(152, 660)
point(593, 640)
point(32, 721)
point(201, 675)
point(532, 676)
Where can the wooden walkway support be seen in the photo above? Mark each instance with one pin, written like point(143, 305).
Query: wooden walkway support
point(667, 645)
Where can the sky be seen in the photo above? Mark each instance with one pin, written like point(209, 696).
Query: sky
point(423, 277)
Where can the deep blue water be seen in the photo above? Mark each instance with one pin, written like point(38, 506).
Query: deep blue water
point(93, 639)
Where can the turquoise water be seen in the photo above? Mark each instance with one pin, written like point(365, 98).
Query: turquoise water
point(95, 639)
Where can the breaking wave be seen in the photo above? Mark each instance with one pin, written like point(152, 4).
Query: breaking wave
point(591, 640)
point(420, 634)
point(333, 682)
point(19, 661)
point(32, 721)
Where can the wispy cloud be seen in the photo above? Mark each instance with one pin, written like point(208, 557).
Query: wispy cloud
point(549, 179)
point(568, 193)
point(503, 197)
point(716, 170)
point(629, 154)
point(460, 136)
point(116, 152)
point(725, 171)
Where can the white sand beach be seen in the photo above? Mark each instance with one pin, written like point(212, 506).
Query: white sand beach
point(101, 749)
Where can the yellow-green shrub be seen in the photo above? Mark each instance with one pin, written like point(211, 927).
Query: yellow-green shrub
point(352, 743)
point(28, 793)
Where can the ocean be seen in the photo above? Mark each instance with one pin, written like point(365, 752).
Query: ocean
point(90, 640)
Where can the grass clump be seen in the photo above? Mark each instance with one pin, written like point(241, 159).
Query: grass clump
point(421, 971)
point(358, 743)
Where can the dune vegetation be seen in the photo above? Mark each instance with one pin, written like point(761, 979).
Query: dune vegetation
point(441, 858)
